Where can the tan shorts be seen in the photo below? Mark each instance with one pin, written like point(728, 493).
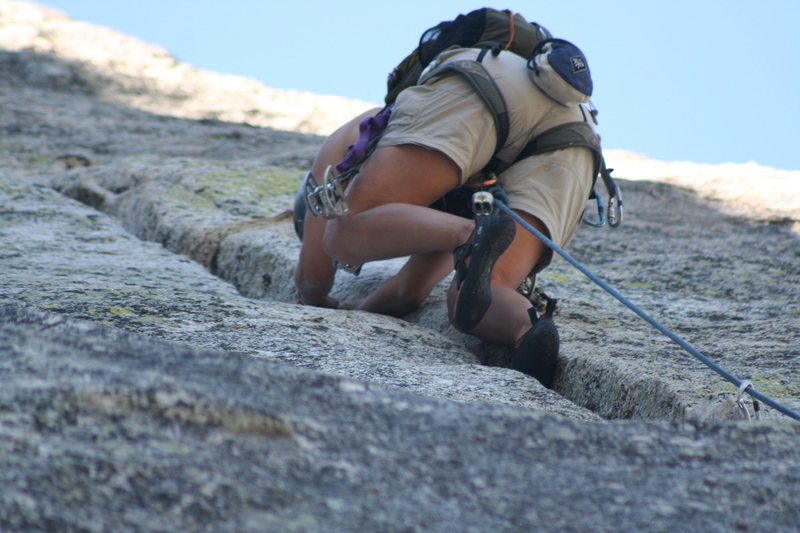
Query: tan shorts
point(554, 188)
point(448, 116)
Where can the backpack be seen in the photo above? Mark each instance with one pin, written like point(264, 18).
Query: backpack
point(482, 28)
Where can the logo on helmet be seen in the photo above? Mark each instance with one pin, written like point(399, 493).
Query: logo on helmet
point(578, 64)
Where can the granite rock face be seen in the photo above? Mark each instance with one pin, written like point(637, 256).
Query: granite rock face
point(160, 375)
point(106, 430)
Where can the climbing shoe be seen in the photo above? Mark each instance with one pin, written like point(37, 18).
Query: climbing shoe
point(538, 352)
point(492, 235)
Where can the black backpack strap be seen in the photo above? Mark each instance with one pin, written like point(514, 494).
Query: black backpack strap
point(567, 135)
point(483, 84)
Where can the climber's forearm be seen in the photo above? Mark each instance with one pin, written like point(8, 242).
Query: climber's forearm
point(315, 272)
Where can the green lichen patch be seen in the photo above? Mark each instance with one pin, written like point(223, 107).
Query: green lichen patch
point(264, 191)
point(121, 311)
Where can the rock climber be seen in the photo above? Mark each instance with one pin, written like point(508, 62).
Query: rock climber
point(439, 137)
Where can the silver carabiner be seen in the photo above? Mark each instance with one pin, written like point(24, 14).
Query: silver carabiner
point(327, 200)
point(615, 209)
point(311, 195)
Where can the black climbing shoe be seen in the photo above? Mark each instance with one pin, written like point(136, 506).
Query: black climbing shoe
point(492, 235)
point(538, 352)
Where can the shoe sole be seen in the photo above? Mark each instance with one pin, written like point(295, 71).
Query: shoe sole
point(475, 295)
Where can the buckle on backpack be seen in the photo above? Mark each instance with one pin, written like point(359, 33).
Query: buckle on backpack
point(327, 200)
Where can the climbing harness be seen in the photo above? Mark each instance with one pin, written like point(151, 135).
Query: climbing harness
point(744, 386)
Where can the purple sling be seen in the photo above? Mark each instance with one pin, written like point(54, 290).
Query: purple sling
point(369, 129)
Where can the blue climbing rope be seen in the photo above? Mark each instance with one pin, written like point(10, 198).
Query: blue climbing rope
point(647, 318)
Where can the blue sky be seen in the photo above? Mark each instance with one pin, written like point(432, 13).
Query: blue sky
point(705, 81)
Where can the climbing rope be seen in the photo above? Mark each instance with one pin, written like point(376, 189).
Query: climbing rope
point(743, 386)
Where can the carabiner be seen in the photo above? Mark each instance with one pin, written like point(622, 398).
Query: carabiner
point(311, 195)
point(327, 200)
point(601, 214)
point(615, 208)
